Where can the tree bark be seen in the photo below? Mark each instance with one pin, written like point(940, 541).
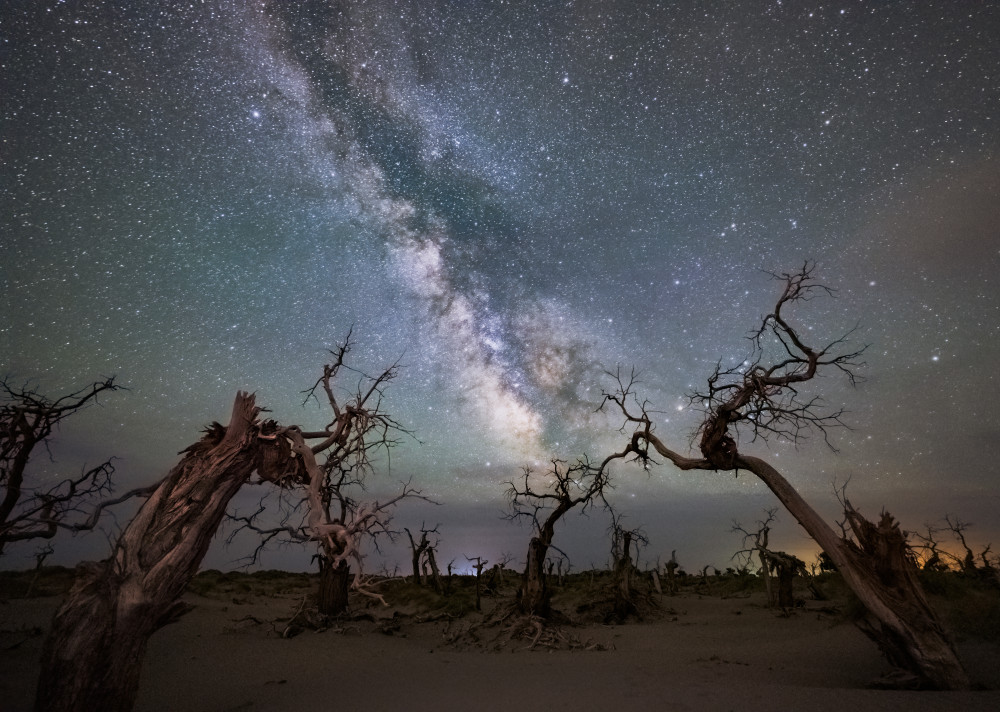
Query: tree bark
point(883, 577)
point(416, 568)
point(786, 590)
point(535, 597)
point(417, 551)
point(93, 655)
point(765, 572)
point(334, 585)
point(435, 574)
point(624, 604)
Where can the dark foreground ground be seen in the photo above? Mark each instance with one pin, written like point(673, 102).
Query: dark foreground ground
point(714, 647)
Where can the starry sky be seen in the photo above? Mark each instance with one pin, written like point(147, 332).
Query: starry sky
point(510, 198)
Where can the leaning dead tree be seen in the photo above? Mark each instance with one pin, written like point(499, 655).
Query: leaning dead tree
point(320, 482)
point(765, 397)
point(75, 503)
point(93, 655)
point(543, 501)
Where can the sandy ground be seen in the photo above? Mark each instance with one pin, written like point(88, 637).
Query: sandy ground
point(707, 654)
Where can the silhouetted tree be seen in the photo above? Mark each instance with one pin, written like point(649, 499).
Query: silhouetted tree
point(622, 542)
point(756, 542)
point(543, 500)
point(75, 503)
point(670, 568)
point(764, 398)
point(480, 564)
point(419, 549)
point(826, 563)
point(773, 564)
point(320, 483)
point(984, 565)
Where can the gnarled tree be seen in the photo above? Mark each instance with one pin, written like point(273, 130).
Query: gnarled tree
point(773, 564)
point(936, 555)
point(93, 654)
point(622, 542)
point(326, 476)
point(423, 553)
point(764, 397)
point(75, 503)
point(543, 501)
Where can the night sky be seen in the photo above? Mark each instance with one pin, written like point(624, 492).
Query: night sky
point(510, 197)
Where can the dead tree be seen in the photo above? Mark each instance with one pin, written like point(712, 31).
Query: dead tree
point(756, 542)
point(967, 561)
point(543, 502)
point(480, 564)
point(937, 558)
point(320, 482)
point(671, 570)
point(622, 540)
point(505, 558)
point(419, 551)
point(93, 655)
point(764, 398)
point(27, 420)
point(773, 564)
point(930, 551)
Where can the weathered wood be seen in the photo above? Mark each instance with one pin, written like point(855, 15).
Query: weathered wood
point(334, 586)
point(762, 398)
point(93, 655)
point(883, 576)
point(624, 603)
point(534, 596)
point(435, 573)
point(578, 484)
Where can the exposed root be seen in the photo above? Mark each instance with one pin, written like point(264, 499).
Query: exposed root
point(506, 628)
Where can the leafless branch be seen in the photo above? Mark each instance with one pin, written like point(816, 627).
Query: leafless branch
point(542, 500)
point(27, 420)
point(761, 397)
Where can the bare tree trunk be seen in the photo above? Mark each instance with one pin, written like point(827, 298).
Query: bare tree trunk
point(334, 585)
point(480, 563)
point(765, 572)
point(671, 569)
point(435, 574)
point(883, 577)
point(534, 596)
point(417, 551)
point(624, 605)
point(656, 583)
point(786, 590)
point(785, 567)
point(93, 655)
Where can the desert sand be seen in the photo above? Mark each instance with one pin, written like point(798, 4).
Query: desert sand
point(697, 652)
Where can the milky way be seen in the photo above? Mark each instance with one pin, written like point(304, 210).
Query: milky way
point(511, 198)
